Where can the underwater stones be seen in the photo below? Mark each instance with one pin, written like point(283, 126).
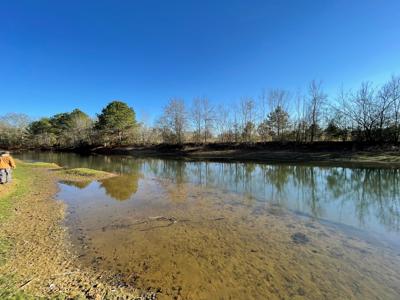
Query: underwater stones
point(300, 238)
point(310, 225)
point(301, 291)
point(276, 210)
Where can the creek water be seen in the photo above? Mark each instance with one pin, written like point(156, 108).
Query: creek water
point(208, 230)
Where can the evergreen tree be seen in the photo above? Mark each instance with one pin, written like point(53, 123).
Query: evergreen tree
point(116, 120)
point(278, 121)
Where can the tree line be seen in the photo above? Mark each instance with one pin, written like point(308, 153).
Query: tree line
point(368, 114)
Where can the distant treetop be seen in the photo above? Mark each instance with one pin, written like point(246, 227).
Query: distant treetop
point(116, 116)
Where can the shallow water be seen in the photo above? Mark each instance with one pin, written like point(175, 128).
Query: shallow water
point(202, 230)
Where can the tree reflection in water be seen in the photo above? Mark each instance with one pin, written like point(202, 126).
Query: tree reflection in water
point(78, 184)
point(322, 192)
point(356, 196)
point(121, 187)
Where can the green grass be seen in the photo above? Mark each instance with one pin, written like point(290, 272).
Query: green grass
point(43, 165)
point(21, 184)
point(84, 172)
point(20, 187)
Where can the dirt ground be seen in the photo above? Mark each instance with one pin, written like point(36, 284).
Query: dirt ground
point(36, 257)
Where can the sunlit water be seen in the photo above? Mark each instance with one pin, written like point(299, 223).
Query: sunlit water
point(206, 230)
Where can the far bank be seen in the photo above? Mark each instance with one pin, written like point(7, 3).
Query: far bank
point(318, 153)
point(333, 153)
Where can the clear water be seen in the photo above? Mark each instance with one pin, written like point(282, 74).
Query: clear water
point(207, 230)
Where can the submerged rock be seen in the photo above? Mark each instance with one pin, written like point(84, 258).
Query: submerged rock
point(300, 238)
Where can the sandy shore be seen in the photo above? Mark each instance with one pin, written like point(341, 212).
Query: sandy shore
point(36, 260)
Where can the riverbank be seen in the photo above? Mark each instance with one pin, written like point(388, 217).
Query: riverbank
point(340, 153)
point(36, 260)
point(318, 153)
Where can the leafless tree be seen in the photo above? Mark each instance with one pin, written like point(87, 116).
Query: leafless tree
point(173, 121)
point(196, 118)
point(360, 107)
point(247, 118)
point(278, 98)
point(299, 118)
point(223, 124)
point(264, 107)
point(13, 130)
point(389, 107)
point(317, 100)
point(208, 118)
point(203, 118)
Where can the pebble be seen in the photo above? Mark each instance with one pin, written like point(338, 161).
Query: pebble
point(300, 238)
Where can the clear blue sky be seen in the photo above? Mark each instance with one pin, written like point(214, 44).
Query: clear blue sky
point(59, 55)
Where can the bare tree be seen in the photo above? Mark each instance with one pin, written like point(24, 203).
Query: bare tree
point(196, 118)
point(203, 118)
point(236, 126)
point(300, 120)
point(389, 107)
point(247, 117)
point(223, 124)
point(208, 118)
point(360, 109)
point(317, 99)
point(278, 98)
point(263, 105)
point(173, 121)
point(13, 130)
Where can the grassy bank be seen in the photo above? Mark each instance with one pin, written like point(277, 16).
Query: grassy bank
point(7, 192)
point(36, 260)
point(78, 174)
point(9, 195)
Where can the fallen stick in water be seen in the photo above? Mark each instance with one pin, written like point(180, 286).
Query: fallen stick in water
point(162, 218)
point(171, 220)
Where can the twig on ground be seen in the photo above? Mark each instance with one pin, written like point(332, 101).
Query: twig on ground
point(25, 283)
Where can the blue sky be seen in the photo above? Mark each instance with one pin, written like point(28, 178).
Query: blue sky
point(59, 55)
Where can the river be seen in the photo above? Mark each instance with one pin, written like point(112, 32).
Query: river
point(209, 230)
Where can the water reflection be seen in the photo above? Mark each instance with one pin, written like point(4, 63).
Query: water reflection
point(121, 187)
point(361, 197)
point(78, 184)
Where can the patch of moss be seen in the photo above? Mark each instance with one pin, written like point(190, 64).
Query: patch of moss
point(84, 172)
point(83, 175)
